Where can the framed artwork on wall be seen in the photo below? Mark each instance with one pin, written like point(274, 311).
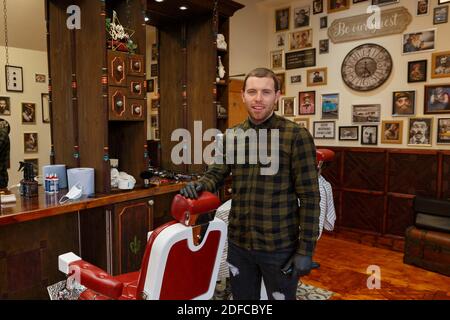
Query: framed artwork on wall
point(281, 39)
point(419, 131)
point(323, 22)
point(417, 71)
point(419, 41)
point(403, 103)
point(348, 133)
point(40, 78)
point(383, 2)
point(440, 64)
point(277, 59)
point(316, 77)
point(423, 7)
point(5, 106)
point(28, 113)
point(366, 113)
point(324, 46)
point(300, 39)
point(337, 5)
point(437, 99)
point(296, 79)
point(307, 102)
point(301, 16)
point(443, 130)
point(14, 78)
point(392, 131)
point(282, 78)
point(282, 19)
point(317, 6)
point(440, 15)
point(302, 122)
point(443, 1)
point(330, 106)
point(30, 142)
point(324, 129)
point(369, 135)
point(45, 105)
point(288, 104)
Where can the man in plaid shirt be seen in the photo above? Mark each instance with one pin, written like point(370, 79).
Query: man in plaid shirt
point(270, 236)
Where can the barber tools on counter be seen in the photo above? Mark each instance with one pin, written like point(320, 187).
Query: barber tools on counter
point(28, 186)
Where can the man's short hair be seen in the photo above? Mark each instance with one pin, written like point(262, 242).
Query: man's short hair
point(263, 73)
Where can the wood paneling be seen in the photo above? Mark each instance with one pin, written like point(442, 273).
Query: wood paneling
point(364, 170)
point(362, 211)
point(446, 177)
point(400, 215)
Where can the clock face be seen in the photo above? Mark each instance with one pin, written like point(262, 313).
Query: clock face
point(366, 67)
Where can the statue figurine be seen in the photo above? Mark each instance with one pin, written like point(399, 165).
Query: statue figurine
point(221, 44)
point(221, 69)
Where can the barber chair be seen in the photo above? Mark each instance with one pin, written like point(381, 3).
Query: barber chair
point(324, 155)
point(181, 259)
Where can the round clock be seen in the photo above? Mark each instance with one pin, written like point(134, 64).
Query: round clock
point(366, 67)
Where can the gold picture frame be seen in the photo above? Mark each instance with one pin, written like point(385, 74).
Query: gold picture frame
point(316, 77)
point(392, 131)
point(440, 64)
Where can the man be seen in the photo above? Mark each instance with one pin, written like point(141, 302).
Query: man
point(4, 106)
point(422, 7)
point(439, 99)
point(4, 153)
point(419, 133)
point(269, 236)
point(317, 77)
point(443, 66)
point(306, 107)
point(301, 18)
point(403, 103)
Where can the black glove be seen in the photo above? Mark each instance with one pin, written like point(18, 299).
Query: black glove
point(192, 189)
point(298, 263)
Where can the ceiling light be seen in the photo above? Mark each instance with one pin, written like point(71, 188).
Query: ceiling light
point(183, 8)
point(159, 0)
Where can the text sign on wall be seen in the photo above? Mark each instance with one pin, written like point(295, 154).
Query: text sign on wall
point(392, 21)
point(300, 59)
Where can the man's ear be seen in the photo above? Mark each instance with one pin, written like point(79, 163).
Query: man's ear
point(242, 95)
point(277, 96)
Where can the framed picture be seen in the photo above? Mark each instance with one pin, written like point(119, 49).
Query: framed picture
point(337, 5)
point(440, 15)
point(300, 39)
point(443, 128)
point(45, 107)
point(40, 78)
point(35, 163)
point(154, 120)
point(307, 102)
point(423, 7)
point(324, 129)
point(30, 142)
point(301, 16)
point(281, 39)
point(369, 135)
point(28, 113)
point(317, 6)
point(154, 70)
point(443, 1)
point(437, 99)
point(358, 1)
point(349, 133)
point(288, 104)
point(302, 122)
point(156, 136)
point(154, 52)
point(316, 77)
point(296, 79)
point(282, 19)
point(366, 113)
point(154, 104)
point(14, 78)
point(392, 131)
point(419, 131)
point(277, 59)
point(403, 103)
point(324, 45)
point(417, 71)
point(300, 59)
point(330, 106)
point(5, 106)
point(150, 85)
point(440, 64)
point(282, 78)
point(323, 22)
point(383, 2)
point(419, 41)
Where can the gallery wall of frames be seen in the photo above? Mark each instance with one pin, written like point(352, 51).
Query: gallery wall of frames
point(365, 73)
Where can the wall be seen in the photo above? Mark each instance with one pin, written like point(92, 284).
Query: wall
point(337, 52)
point(32, 62)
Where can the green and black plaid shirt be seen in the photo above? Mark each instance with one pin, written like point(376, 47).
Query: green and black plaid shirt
point(265, 214)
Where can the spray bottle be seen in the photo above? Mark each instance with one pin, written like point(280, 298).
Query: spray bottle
point(28, 186)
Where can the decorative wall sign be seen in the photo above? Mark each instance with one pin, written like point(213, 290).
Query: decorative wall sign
point(14, 78)
point(300, 59)
point(393, 21)
point(324, 129)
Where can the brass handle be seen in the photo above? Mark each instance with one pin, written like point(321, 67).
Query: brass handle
point(119, 103)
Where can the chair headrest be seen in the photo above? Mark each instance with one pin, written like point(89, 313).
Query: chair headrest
point(188, 211)
point(324, 155)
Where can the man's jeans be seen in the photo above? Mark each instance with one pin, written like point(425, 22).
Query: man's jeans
point(248, 266)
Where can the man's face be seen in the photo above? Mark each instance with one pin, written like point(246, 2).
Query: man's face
point(422, 6)
point(403, 103)
point(419, 129)
point(260, 98)
point(3, 105)
point(368, 133)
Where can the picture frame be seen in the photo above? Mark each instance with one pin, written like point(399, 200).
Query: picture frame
point(417, 71)
point(150, 85)
point(369, 135)
point(39, 78)
point(324, 129)
point(277, 59)
point(282, 17)
point(154, 121)
point(323, 22)
point(420, 131)
point(358, 1)
point(443, 1)
point(28, 113)
point(307, 102)
point(403, 103)
point(317, 6)
point(392, 131)
point(440, 64)
point(45, 108)
point(280, 39)
point(422, 7)
point(35, 163)
point(302, 122)
point(366, 113)
point(300, 59)
point(324, 46)
point(301, 39)
point(440, 15)
point(289, 105)
point(419, 41)
point(437, 99)
point(383, 2)
point(348, 133)
point(5, 106)
point(282, 78)
point(443, 130)
point(296, 79)
point(30, 142)
point(14, 78)
point(154, 70)
point(154, 104)
point(316, 77)
point(154, 55)
point(337, 5)
point(330, 106)
point(301, 17)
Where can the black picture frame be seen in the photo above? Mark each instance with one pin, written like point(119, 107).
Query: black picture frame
point(14, 78)
point(324, 22)
point(154, 70)
point(443, 130)
point(438, 106)
point(300, 59)
point(325, 124)
point(282, 19)
point(370, 129)
point(317, 6)
point(150, 85)
point(352, 129)
point(404, 103)
point(417, 71)
point(440, 17)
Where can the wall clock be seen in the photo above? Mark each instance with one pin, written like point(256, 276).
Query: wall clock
point(366, 67)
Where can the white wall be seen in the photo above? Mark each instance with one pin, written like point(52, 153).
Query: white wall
point(32, 62)
point(337, 52)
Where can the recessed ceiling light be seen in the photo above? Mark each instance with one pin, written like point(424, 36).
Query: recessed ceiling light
point(159, 0)
point(183, 8)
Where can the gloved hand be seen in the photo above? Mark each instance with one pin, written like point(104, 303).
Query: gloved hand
point(298, 263)
point(192, 189)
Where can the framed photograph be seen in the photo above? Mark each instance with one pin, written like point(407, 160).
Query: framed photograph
point(317, 6)
point(282, 19)
point(35, 163)
point(324, 129)
point(154, 52)
point(281, 39)
point(302, 122)
point(282, 78)
point(349, 133)
point(154, 70)
point(316, 77)
point(150, 85)
point(277, 59)
point(419, 41)
point(156, 136)
point(28, 113)
point(45, 107)
point(14, 78)
point(154, 104)
point(392, 131)
point(419, 131)
point(437, 99)
point(5, 106)
point(307, 102)
point(369, 135)
point(288, 104)
point(301, 16)
point(366, 113)
point(443, 1)
point(337, 5)
point(30, 142)
point(440, 15)
point(443, 127)
point(40, 78)
point(423, 7)
point(300, 39)
point(330, 106)
point(324, 45)
point(296, 79)
point(323, 22)
point(440, 64)
point(417, 71)
point(383, 2)
point(154, 120)
point(403, 103)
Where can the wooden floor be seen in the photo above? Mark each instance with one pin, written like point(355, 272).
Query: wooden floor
point(343, 266)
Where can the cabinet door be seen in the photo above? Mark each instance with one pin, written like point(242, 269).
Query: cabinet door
point(117, 68)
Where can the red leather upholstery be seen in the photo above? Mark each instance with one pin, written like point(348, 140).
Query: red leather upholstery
point(324, 155)
point(185, 210)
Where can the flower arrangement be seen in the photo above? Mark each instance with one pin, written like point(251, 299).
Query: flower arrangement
point(118, 36)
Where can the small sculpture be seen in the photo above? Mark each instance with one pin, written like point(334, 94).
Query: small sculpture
point(221, 43)
point(221, 69)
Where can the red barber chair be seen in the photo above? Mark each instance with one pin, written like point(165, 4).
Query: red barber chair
point(181, 259)
point(324, 155)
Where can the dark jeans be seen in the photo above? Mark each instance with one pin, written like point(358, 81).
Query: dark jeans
point(247, 267)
